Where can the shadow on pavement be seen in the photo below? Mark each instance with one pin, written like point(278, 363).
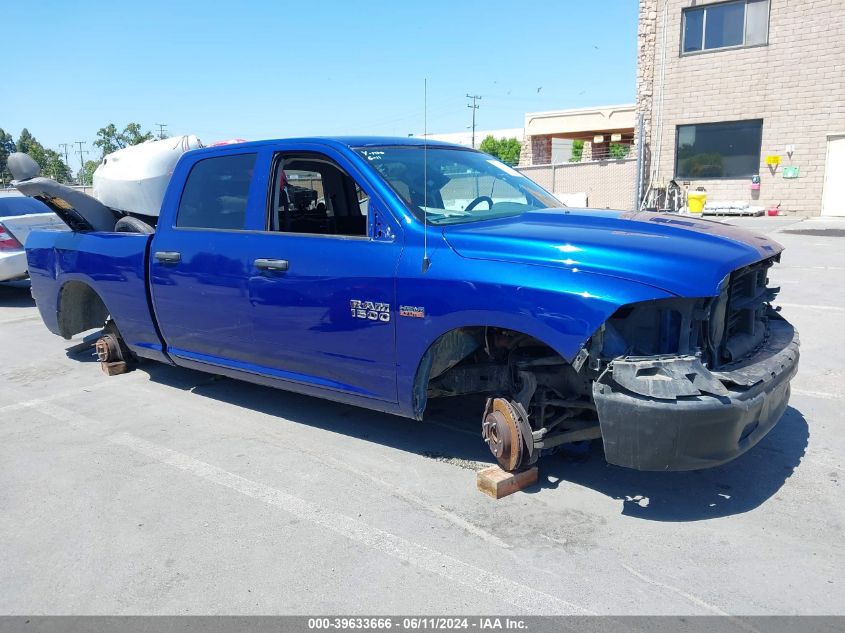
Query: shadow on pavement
point(447, 433)
point(451, 434)
point(733, 488)
point(15, 295)
point(84, 351)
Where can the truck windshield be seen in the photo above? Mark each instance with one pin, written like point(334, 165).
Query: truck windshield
point(461, 185)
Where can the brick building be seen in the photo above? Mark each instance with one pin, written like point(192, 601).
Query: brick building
point(739, 89)
point(549, 135)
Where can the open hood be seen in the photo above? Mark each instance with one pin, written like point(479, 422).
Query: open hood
point(78, 210)
point(682, 255)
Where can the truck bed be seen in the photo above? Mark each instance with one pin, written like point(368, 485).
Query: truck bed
point(114, 265)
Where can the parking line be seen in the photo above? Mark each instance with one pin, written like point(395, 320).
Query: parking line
point(806, 306)
point(833, 268)
point(397, 491)
point(818, 394)
point(37, 402)
point(520, 596)
point(825, 464)
point(34, 317)
point(411, 498)
point(694, 599)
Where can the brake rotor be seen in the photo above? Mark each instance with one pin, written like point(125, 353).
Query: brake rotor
point(500, 429)
point(107, 349)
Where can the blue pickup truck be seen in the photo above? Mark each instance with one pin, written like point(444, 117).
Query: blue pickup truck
point(385, 272)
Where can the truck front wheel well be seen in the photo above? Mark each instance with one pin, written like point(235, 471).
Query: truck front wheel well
point(536, 399)
point(477, 359)
point(80, 309)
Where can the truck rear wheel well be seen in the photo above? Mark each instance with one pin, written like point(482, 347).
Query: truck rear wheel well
point(80, 309)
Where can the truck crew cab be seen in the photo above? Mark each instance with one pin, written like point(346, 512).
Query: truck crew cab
point(385, 272)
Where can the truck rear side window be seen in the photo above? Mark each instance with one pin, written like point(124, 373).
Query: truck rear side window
point(216, 192)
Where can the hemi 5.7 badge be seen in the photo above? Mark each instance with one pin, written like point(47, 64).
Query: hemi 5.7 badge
point(415, 312)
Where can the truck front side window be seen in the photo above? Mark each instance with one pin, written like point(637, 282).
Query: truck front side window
point(312, 195)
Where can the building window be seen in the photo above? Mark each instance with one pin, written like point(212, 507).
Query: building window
point(725, 25)
point(718, 150)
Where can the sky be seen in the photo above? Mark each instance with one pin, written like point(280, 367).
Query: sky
point(274, 69)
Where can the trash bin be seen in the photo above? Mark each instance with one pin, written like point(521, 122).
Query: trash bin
point(695, 201)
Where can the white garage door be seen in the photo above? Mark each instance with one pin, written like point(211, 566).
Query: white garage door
point(833, 202)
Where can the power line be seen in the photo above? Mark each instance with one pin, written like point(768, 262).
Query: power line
point(474, 106)
point(161, 127)
point(64, 146)
point(81, 152)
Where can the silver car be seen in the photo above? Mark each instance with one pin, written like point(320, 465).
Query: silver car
point(18, 216)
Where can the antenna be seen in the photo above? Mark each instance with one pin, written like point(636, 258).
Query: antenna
point(426, 262)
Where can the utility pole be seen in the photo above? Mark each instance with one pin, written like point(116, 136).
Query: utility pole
point(474, 107)
point(64, 146)
point(161, 127)
point(80, 151)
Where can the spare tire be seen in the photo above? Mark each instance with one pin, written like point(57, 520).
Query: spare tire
point(128, 224)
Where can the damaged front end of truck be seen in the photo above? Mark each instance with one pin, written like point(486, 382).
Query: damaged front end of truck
point(668, 384)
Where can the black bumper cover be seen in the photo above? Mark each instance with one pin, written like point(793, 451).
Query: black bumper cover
point(693, 432)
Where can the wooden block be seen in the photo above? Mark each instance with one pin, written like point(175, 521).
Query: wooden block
point(498, 483)
point(115, 368)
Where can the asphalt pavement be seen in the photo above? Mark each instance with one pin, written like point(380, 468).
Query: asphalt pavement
point(168, 491)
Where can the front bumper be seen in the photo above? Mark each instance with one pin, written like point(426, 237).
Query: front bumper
point(718, 417)
point(12, 265)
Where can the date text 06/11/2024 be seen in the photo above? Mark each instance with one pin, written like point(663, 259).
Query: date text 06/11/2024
point(417, 623)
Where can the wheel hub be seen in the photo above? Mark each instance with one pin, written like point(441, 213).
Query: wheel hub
point(107, 349)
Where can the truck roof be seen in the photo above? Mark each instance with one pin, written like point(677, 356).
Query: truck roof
point(344, 141)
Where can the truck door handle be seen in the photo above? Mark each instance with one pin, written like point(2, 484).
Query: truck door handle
point(275, 265)
point(168, 257)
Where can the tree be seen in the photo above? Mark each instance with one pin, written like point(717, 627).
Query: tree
point(506, 150)
point(133, 135)
point(26, 141)
point(50, 161)
point(577, 151)
point(7, 146)
point(110, 140)
point(53, 166)
point(86, 174)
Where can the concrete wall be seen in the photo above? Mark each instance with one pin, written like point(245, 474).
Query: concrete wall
point(796, 84)
point(609, 184)
point(465, 138)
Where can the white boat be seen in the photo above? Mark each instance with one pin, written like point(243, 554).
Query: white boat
point(134, 179)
